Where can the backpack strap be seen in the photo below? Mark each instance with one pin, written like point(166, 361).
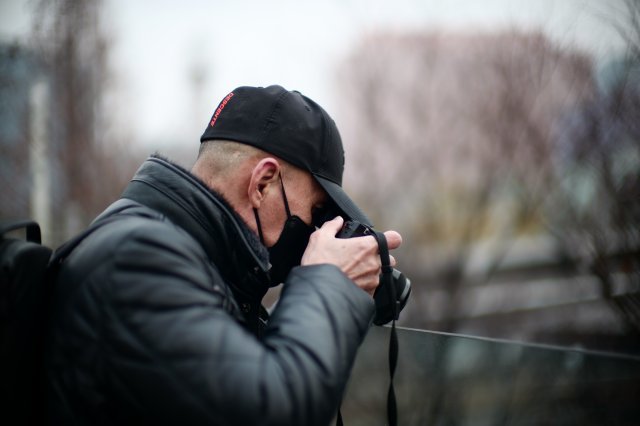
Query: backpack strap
point(32, 228)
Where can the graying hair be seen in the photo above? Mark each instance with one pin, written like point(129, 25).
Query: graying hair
point(222, 156)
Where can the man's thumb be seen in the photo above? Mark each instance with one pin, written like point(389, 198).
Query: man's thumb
point(333, 225)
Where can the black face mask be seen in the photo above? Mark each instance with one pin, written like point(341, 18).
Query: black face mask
point(287, 252)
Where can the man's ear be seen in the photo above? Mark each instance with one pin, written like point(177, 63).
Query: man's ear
point(264, 173)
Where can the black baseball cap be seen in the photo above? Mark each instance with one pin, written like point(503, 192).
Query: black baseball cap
point(290, 126)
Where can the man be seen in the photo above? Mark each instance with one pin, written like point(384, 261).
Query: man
point(157, 316)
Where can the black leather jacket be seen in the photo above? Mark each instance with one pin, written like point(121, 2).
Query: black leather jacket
point(156, 319)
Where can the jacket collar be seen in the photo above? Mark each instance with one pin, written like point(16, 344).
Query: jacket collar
point(187, 202)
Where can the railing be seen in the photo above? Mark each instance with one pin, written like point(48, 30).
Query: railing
point(448, 379)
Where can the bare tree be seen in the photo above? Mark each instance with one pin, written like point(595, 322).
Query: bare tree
point(457, 128)
point(595, 210)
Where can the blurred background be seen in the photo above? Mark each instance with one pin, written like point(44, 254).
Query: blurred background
point(501, 138)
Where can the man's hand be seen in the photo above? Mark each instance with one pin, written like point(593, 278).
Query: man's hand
point(357, 257)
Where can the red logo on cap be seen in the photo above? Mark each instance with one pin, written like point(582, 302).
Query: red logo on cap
point(220, 108)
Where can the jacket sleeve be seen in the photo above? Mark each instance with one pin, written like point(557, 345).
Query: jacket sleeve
point(174, 352)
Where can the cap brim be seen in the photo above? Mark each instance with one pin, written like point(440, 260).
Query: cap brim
point(342, 200)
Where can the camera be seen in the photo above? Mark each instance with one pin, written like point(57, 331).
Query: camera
point(383, 295)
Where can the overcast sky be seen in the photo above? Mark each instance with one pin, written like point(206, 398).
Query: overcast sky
point(158, 45)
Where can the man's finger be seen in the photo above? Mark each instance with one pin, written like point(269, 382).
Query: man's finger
point(393, 239)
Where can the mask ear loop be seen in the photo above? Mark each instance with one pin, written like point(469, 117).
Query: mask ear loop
point(286, 208)
point(284, 196)
point(255, 212)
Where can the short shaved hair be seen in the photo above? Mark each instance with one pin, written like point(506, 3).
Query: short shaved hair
point(222, 156)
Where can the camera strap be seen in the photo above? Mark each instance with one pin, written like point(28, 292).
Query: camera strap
point(386, 279)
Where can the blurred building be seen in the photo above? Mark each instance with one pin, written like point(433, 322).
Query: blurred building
point(27, 179)
point(62, 163)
